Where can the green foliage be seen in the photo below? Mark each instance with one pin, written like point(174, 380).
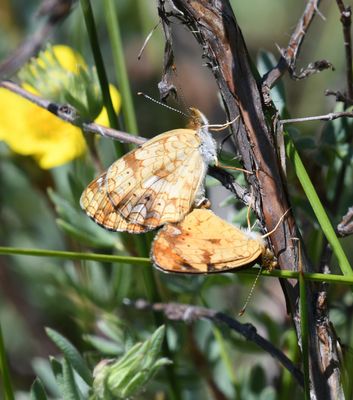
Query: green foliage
point(79, 88)
point(105, 349)
point(118, 378)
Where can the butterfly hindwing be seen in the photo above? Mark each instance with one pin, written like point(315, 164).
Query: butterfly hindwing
point(203, 243)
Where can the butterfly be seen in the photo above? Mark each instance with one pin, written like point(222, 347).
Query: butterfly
point(156, 183)
point(204, 243)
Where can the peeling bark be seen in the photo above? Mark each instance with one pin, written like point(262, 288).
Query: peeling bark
point(215, 28)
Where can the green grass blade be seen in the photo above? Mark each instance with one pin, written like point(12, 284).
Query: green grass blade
point(317, 206)
point(101, 72)
point(4, 371)
point(111, 17)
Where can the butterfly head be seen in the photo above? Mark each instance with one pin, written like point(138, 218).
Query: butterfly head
point(208, 148)
point(197, 119)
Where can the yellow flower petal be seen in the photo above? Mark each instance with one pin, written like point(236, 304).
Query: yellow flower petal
point(67, 57)
point(102, 118)
point(31, 130)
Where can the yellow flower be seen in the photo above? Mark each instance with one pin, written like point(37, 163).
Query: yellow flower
point(32, 131)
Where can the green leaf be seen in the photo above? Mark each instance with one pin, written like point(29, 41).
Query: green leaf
point(129, 374)
point(70, 389)
point(317, 206)
point(56, 368)
point(104, 346)
point(37, 391)
point(78, 225)
point(72, 355)
point(4, 370)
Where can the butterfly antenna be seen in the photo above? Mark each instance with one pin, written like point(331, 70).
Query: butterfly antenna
point(277, 225)
point(242, 311)
point(162, 104)
point(147, 40)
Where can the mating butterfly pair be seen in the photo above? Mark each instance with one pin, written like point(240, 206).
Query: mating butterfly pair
point(158, 184)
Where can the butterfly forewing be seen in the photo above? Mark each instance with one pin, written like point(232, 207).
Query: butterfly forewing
point(156, 183)
point(203, 243)
point(98, 206)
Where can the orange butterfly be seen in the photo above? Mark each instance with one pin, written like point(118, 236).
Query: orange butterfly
point(156, 183)
point(204, 243)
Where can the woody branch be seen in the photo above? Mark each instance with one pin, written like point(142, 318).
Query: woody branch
point(215, 28)
point(69, 114)
point(189, 313)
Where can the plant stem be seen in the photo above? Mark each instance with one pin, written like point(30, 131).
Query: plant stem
point(71, 255)
point(111, 17)
point(4, 370)
point(98, 59)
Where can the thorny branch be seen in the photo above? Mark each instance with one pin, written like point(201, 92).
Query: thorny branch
point(345, 227)
point(214, 26)
point(188, 313)
point(347, 99)
point(69, 114)
point(346, 20)
point(54, 11)
point(289, 55)
point(325, 117)
point(339, 97)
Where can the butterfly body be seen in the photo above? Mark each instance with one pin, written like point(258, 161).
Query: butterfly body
point(204, 243)
point(156, 183)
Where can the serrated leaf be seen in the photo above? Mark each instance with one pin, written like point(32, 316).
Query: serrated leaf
point(72, 354)
point(37, 391)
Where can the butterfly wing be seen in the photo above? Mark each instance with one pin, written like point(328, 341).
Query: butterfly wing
point(203, 243)
point(158, 182)
point(97, 205)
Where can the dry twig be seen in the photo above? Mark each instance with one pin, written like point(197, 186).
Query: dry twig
point(289, 55)
point(69, 114)
point(188, 313)
point(54, 11)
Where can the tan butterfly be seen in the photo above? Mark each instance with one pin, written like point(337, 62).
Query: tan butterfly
point(156, 183)
point(204, 243)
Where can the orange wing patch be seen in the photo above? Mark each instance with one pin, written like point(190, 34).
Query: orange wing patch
point(98, 206)
point(204, 243)
point(156, 183)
